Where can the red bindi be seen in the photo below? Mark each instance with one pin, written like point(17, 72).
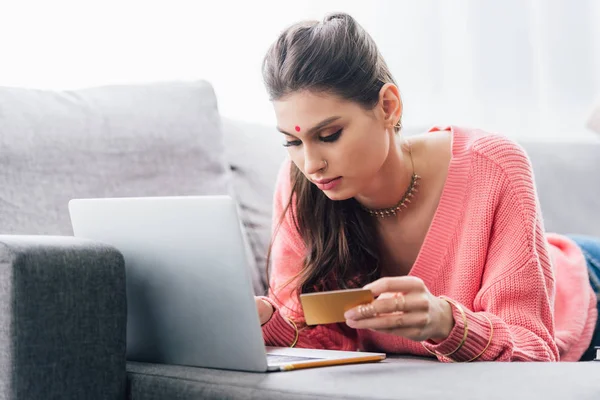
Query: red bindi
point(297, 128)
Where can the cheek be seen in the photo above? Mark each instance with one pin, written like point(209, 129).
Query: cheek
point(367, 155)
point(297, 158)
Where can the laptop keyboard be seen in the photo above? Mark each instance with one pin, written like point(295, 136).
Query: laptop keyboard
point(279, 359)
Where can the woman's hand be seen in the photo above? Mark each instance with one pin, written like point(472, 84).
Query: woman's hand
point(404, 307)
point(264, 308)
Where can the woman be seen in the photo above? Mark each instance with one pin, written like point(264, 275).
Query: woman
point(444, 228)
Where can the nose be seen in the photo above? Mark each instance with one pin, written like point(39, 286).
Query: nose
point(313, 162)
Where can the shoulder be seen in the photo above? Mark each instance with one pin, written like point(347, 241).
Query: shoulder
point(504, 164)
point(492, 157)
point(495, 148)
point(500, 151)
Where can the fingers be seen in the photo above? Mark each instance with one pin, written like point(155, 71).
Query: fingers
point(393, 322)
point(404, 284)
point(399, 302)
point(403, 307)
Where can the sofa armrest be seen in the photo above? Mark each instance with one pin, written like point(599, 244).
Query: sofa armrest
point(63, 316)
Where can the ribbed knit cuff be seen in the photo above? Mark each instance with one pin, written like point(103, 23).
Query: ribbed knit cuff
point(277, 331)
point(478, 336)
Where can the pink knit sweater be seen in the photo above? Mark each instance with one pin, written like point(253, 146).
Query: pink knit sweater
point(486, 248)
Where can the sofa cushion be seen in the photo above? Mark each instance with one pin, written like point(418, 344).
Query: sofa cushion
point(161, 139)
point(398, 377)
point(147, 140)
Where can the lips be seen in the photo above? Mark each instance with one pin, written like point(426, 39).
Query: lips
point(325, 181)
point(328, 184)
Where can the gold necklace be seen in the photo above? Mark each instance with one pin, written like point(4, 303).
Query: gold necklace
point(402, 204)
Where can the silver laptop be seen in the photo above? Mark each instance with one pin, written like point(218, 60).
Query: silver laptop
point(189, 293)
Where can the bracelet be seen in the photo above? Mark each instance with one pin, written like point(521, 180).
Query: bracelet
point(489, 341)
point(465, 333)
point(296, 328)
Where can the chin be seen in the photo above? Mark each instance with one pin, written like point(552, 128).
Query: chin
point(338, 195)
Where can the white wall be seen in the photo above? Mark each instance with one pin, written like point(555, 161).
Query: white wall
point(524, 67)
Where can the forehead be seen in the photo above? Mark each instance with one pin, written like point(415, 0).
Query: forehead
point(307, 108)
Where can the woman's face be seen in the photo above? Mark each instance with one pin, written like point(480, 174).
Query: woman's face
point(322, 127)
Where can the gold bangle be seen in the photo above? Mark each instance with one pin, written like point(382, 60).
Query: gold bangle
point(296, 328)
point(489, 341)
point(465, 333)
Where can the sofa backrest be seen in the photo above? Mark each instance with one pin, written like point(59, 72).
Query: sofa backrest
point(162, 139)
point(567, 177)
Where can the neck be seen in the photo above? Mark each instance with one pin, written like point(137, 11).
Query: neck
point(391, 181)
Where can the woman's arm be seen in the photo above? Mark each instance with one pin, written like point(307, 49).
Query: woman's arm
point(512, 316)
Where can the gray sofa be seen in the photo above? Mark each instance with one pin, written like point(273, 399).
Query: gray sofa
point(62, 299)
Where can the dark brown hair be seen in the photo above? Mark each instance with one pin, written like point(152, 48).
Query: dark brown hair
point(338, 57)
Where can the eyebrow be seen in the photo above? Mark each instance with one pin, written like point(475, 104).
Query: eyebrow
point(315, 128)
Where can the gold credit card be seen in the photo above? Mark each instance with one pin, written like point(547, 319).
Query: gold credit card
point(329, 307)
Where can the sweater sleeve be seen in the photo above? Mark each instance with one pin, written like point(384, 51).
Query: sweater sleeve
point(287, 256)
point(511, 318)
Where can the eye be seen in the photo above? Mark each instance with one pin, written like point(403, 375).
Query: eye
point(292, 143)
point(332, 137)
